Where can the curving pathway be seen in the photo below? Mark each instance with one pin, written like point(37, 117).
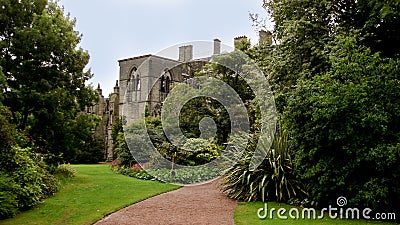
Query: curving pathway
point(199, 204)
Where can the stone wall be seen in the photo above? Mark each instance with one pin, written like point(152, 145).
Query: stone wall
point(146, 80)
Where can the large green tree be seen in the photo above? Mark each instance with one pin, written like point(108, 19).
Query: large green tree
point(346, 128)
point(303, 28)
point(377, 21)
point(3, 82)
point(335, 74)
point(45, 71)
point(42, 91)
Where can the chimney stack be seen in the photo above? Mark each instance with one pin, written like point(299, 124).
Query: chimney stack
point(186, 53)
point(239, 40)
point(217, 46)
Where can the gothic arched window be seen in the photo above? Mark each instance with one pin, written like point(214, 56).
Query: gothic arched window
point(132, 80)
point(137, 82)
point(167, 84)
point(162, 84)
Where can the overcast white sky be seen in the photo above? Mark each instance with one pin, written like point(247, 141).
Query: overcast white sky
point(117, 29)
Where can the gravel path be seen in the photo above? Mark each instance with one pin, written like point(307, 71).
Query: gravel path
point(199, 204)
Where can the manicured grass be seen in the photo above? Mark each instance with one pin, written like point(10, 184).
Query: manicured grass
point(246, 213)
point(94, 193)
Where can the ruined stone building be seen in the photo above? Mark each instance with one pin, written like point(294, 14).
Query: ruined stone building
point(108, 110)
point(146, 80)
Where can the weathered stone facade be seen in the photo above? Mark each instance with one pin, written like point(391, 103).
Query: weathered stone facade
point(138, 76)
point(145, 80)
point(108, 110)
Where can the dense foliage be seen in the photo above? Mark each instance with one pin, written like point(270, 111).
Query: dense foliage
point(42, 95)
point(25, 180)
point(346, 126)
point(201, 153)
point(334, 70)
point(44, 67)
point(274, 180)
point(81, 145)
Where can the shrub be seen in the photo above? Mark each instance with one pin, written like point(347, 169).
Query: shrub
point(346, 128)
point(186, 176)
point(115, 164)
point(198, 151)
point(49, 185)
point(65, 170)
point(179, 176)
point(26, 174)
point(134, 171)
point(32, 181)
point(122, 151)
point(273, 180)
point(8, 138)
point(8, 199)
point(23, 179)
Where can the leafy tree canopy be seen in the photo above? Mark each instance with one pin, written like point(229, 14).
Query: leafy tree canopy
point(45, 70)
point(335, 75)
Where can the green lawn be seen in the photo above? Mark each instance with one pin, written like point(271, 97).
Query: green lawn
point(246, 213)
point(95, 192)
